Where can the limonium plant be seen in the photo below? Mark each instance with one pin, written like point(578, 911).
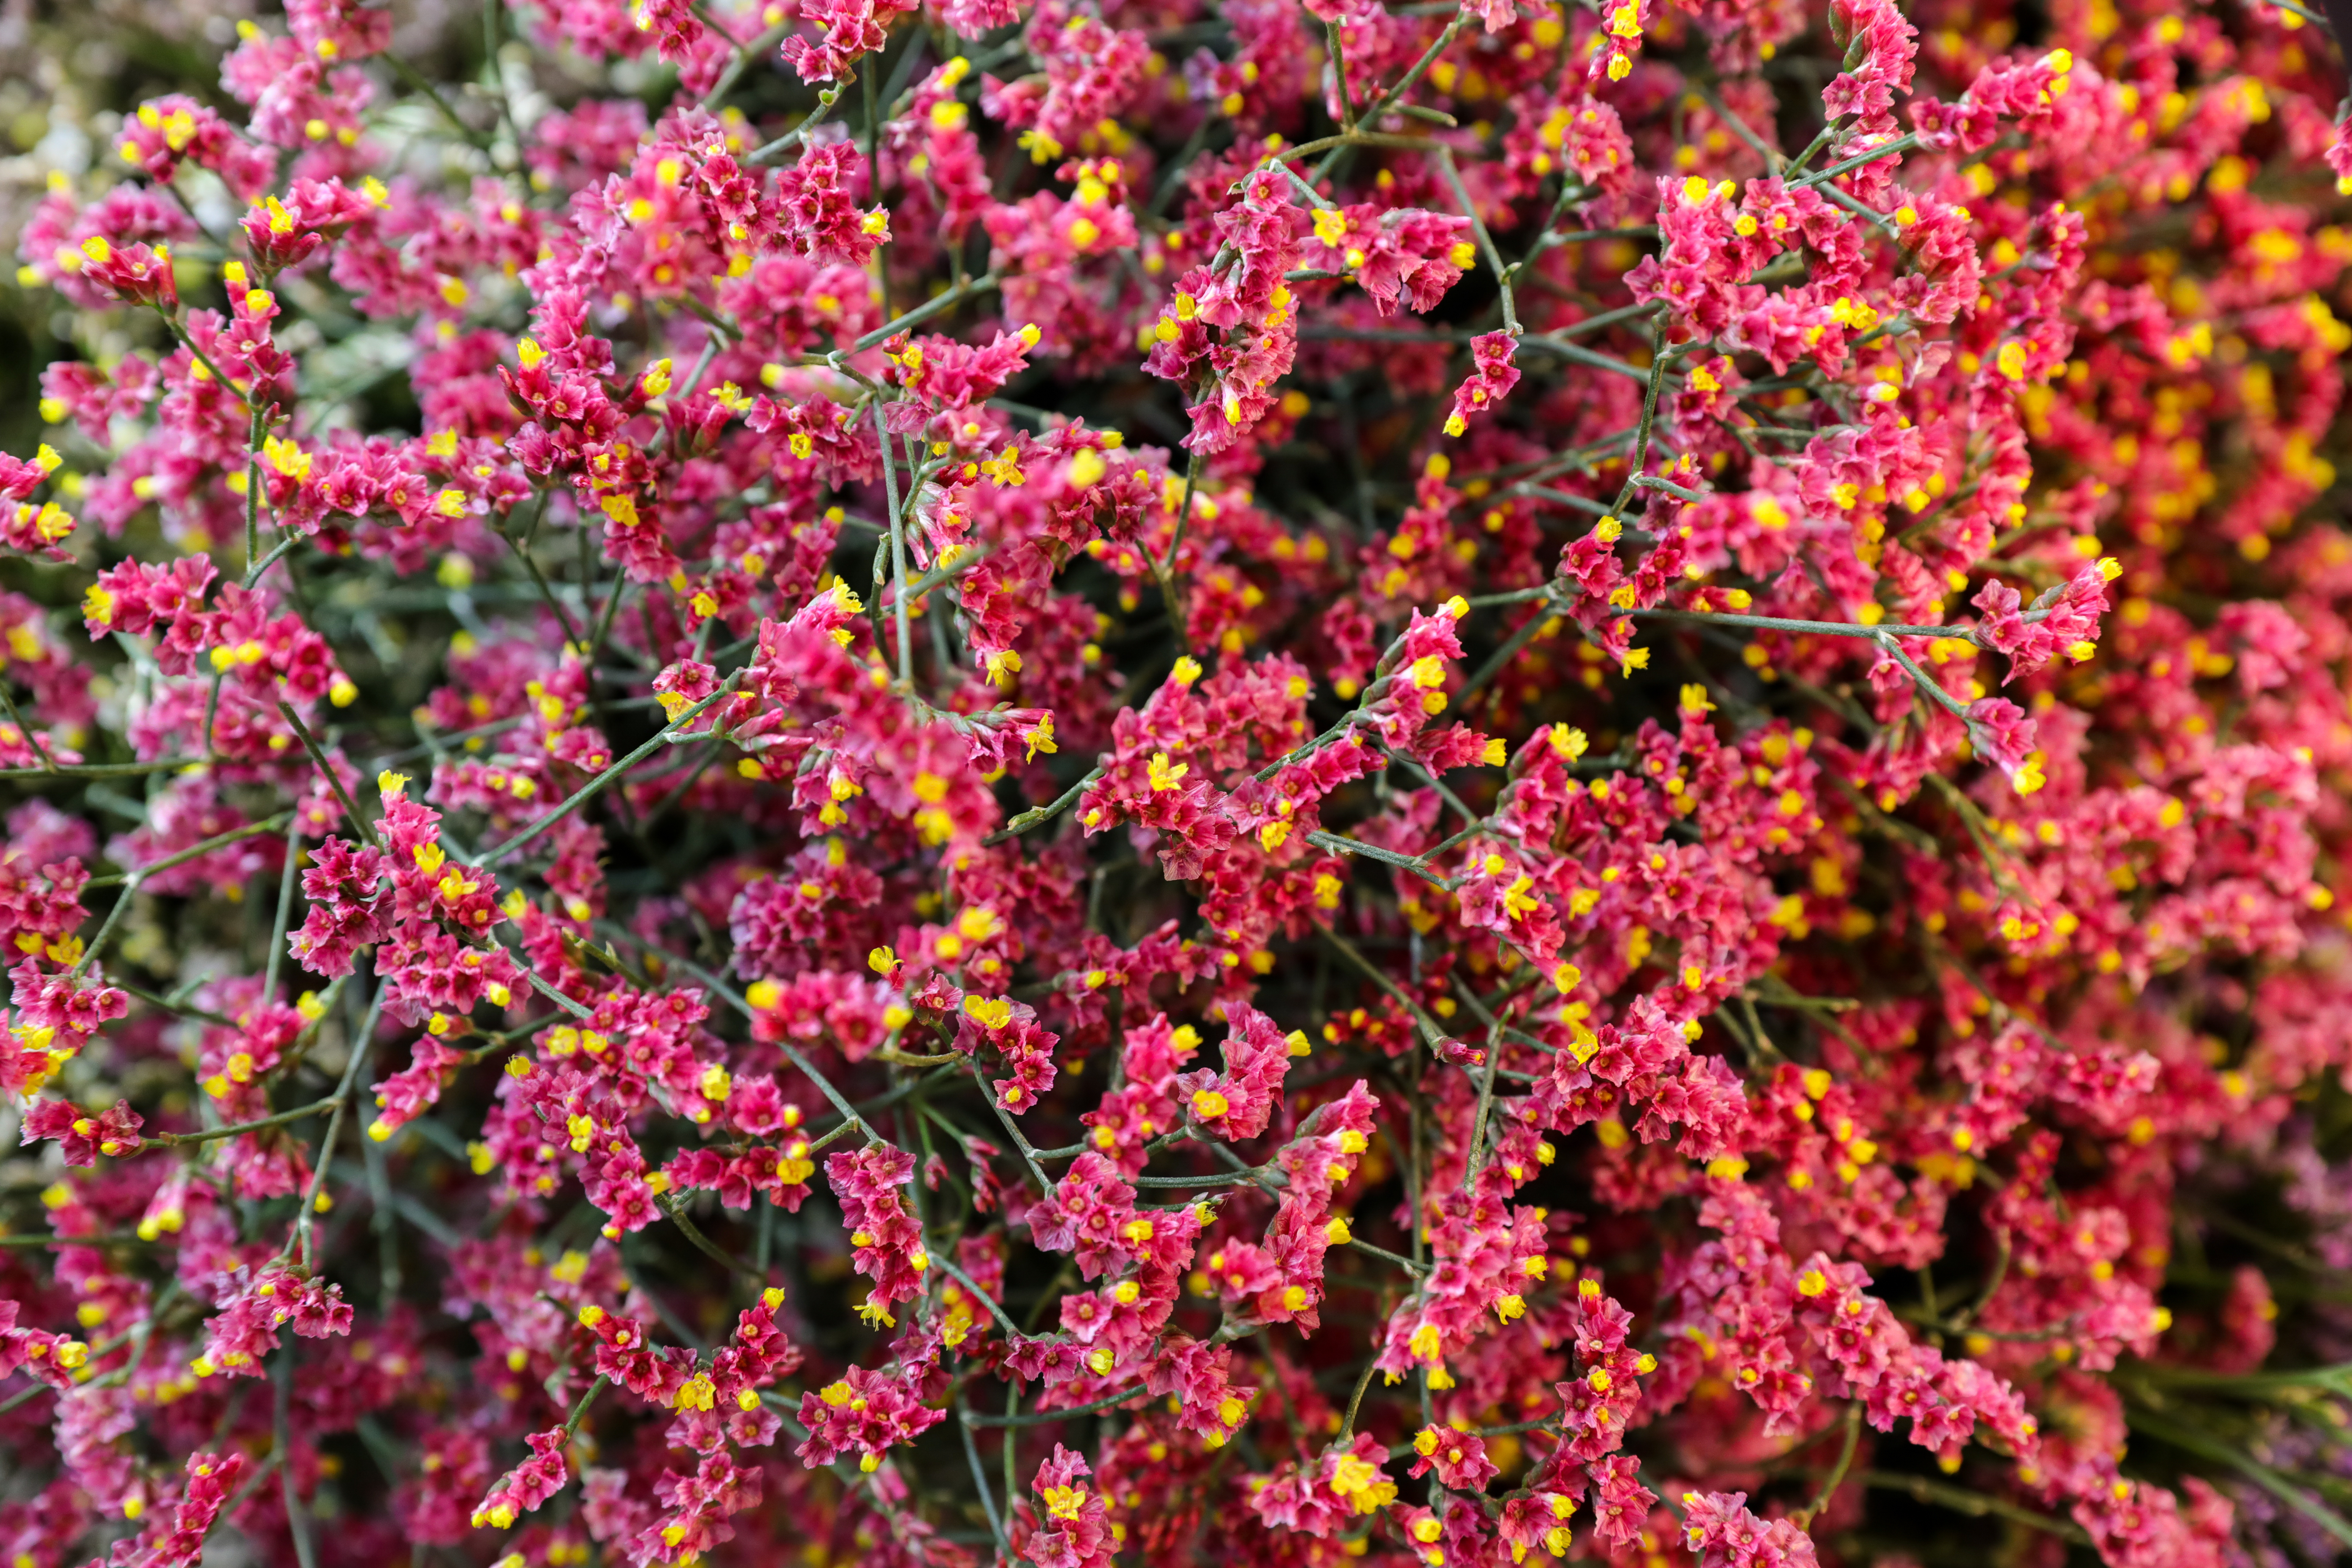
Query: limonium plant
point(953, 782)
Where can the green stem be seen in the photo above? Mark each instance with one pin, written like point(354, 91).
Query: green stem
point(1975, 1504)
point(792, 1053)
point(1418, 865)
point(539, 580)
point(579, 1411)
point(898, 549)
point(252, 510)
point(211, 1134)
point(1896, 148)
point(131, 884)
point(1485, 241)
point(267, 562)
point(1814, 628)
point(824, 102)
point(267, 825)
point(1163, 568)
point(204, 359)
point(103, 770)
point(1041, 1418)
point(334, 780)
point(1500, 659)
point(298, 1518)
point(1836, 1478)
point(987, 1301)
point(744, 55)
point(1046, 812)
point(605, 779)
point(1407, 1263)
point(49, 764)
point(285, 909)
point(1656, 379)
point(1430, 1033)
point(980, 1479)
point(926, 310)
point(1371, 116)
point(671, 1206)
point(342, 1099)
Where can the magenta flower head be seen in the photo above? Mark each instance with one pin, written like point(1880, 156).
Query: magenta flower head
point(996, 782)
point(135, 274)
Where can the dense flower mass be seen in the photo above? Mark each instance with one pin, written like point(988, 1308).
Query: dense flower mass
point(955, 782)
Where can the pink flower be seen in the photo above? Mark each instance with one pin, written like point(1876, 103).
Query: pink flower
point(868, 1411)
point(885, 1239)
point(1459, 1458)
point(1074, 1531)
point(521, 1489)
point(82, 1139)
point(1492, 376)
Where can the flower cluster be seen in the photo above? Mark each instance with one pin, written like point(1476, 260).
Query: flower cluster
point(999, 781)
